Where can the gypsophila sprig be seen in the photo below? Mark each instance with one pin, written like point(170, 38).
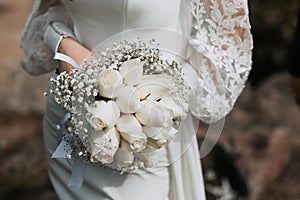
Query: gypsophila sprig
point(124, 106)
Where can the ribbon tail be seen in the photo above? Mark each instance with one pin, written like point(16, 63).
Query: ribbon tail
point(61, 124)
point(61, 150)
point(77, 175)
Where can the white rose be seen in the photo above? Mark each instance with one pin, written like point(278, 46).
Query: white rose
point(157, 141)
point(151, 131)
point(155, 133)
point(127, 99)
point(150, 156)
point(154, 114)
point(108, 82)
point(131, 131)
point(132, 71)
point(165, 136)
point(105, 145)
point(171, 103)
point(124, 156)
point(153, 87)
point(103, 114)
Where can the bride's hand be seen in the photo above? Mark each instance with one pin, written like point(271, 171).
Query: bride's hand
point(75, 50)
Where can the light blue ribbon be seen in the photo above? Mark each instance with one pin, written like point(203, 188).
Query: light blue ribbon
point(77, 176)
point(63, 150)
point(61, 124)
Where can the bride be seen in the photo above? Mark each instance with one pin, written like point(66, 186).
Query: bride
point(212, 36)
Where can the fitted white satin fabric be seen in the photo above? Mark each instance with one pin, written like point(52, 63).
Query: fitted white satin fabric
point(94, 22)
point(97, 20)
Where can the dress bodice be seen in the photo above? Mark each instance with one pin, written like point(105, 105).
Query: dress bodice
point(97, 20)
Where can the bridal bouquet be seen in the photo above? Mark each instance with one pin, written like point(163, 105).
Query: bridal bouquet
point(124, 106)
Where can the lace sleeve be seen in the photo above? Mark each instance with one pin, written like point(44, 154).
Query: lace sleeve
point(37, 56)
point(221, 56)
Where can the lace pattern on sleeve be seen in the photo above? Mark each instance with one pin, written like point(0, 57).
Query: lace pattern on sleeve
point(37, 56)
point(222, 50)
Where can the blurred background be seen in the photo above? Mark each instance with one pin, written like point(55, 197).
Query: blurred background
point(258, 154)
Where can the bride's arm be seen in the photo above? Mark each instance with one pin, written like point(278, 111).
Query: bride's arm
point(73, 49)
point(47, 16)
point(221, 55)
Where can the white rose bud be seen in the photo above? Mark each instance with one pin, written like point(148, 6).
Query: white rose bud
point(165, 136)
point(154, 114)
point(124, 156)
point(127, 99)
point(108, 82)
point(151, 131)
point(131, 131)
point(155, 133)
point(132, 71)
point(157, 141)
point(151, 157)
point(103, 114)
point(105, 145)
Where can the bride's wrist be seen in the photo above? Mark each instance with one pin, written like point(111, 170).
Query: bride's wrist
point(65, 44)
point(73, 49)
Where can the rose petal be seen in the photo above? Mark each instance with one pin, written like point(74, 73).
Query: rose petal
point(162, 138)
point(137, 143)
point(131, 131)
point(171, 103)
point(124, 156)
point(132, 71)
point(128, 124)
point(103, 114)
point(127, 99)
point(153, 87)
point(151, 131)
point(105, 145)
point(150, 157)
point(154, 114)
point(108, 82)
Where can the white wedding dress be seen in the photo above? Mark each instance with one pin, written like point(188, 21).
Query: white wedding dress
point(169, 22)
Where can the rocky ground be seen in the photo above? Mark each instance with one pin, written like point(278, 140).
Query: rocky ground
point(261, 133)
